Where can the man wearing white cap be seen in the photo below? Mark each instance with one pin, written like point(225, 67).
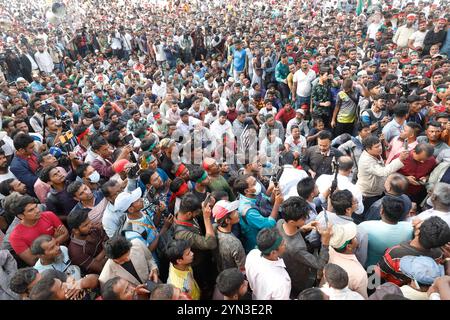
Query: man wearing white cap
point(139, 225)
point(403, 33)
point(343, 244)
point(299, 121)
point(229, 252)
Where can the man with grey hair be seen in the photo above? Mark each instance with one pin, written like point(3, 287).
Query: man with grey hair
point(440, 199)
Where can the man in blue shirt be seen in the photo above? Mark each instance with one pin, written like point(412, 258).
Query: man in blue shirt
point(392, 129)
point(388, 231)
point(239, 56)
point(251, 220)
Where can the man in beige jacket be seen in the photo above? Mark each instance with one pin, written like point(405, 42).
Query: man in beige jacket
point(130, 260)
point(372, 171)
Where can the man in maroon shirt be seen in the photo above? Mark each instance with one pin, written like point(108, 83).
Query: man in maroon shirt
point(417, 168)
point(285, 114)
point(231, 113)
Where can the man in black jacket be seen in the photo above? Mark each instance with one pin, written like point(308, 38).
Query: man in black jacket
point(318, 159)
point(435, 36)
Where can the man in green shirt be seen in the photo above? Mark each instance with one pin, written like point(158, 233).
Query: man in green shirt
point(281, 74)
point(218, 182)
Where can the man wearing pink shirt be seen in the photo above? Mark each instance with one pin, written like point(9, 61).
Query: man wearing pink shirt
point(410, 132)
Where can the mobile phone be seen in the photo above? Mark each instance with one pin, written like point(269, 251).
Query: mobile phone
point(128, 138)
point(405, 144)
point(134, 170)
point(208, 198)
point(422, 183)
point(151, 285)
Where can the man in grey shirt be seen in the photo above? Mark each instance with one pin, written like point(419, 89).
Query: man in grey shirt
point(301, 265)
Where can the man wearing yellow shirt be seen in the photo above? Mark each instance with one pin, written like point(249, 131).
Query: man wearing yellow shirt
point(180, 271)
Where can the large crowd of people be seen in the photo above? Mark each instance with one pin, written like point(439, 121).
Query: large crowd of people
point(237, 150)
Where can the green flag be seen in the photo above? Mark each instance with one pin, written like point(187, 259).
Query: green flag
point(359, 7)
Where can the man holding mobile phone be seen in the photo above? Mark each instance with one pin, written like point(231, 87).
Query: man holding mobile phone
point(417, 168)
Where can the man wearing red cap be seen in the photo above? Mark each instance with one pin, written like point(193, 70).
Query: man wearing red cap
point(435, 36)
point(404, 32)
point(218, 182)
point(229, 252)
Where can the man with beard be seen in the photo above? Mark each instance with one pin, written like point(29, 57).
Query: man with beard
point(435, 36)
point(44, 60)
point(404, 32)
point(86, 245)
point(5, 173)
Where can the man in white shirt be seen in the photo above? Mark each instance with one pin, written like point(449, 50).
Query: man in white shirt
point(159, 88)
point(44, 60)
point(440, 198)
point(186, 123)
point(266, 271)
point(415, 41)
point(222, 126)
point(295, 142)
point(301, 90)
point(267, 109)
point(403, 33)
point(344, 183)
point(290, 177)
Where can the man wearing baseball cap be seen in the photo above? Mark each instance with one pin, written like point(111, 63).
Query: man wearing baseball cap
point(299, 121)
point(422, 271)
point(138, 224)
point(344, 243)
point(229, 252)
